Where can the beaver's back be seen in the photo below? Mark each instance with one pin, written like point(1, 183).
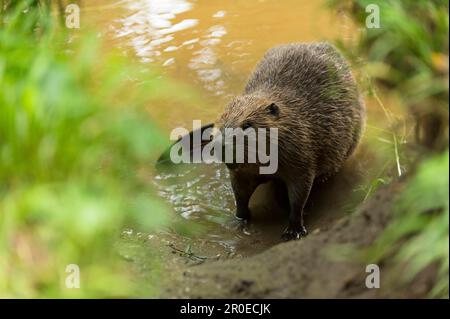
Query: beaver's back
point(304, 70)
point(317, 83)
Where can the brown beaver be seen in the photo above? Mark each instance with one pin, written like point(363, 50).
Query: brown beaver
point(308, 92)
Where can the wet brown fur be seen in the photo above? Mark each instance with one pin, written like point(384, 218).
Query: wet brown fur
point(320, 117)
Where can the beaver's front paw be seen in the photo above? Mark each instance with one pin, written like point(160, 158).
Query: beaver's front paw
point(241, 224)
point(294, 233)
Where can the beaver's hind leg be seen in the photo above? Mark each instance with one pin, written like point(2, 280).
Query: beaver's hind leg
point(298, 192)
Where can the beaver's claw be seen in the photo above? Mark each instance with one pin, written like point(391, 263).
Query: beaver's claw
point(294, 233)
point(241, 224)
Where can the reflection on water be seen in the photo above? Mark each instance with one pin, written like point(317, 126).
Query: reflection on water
point(152, 28)
point(203, 193)
point(151, 25)
point(205, 60)
point(198, 191)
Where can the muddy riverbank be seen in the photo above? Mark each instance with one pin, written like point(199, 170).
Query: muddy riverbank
point(307, 268)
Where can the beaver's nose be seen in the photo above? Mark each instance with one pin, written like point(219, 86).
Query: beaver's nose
point(231, 165)
point(246, 125)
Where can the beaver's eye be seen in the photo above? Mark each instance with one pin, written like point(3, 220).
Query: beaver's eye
point(246, 125)
point(273, 109)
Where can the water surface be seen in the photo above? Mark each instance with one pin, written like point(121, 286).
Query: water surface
point(212, 46)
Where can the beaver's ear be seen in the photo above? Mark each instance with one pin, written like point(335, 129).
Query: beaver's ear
point(273, 109)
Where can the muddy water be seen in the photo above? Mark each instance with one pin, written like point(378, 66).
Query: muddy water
point(212, 47)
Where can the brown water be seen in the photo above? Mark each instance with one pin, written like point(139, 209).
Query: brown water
point(212, 46)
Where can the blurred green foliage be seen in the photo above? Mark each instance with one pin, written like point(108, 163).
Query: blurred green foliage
point(410, 49)
point(418, 234)
point(408, 54)
point(75, 149)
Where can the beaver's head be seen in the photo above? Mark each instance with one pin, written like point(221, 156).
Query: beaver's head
point(250, 111)
point(253, 117)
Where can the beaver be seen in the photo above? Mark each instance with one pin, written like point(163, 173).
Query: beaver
point(307, 92)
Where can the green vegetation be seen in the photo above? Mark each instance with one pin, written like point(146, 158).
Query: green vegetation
point(420, 225)
point(408, 54)
point(75, 150)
